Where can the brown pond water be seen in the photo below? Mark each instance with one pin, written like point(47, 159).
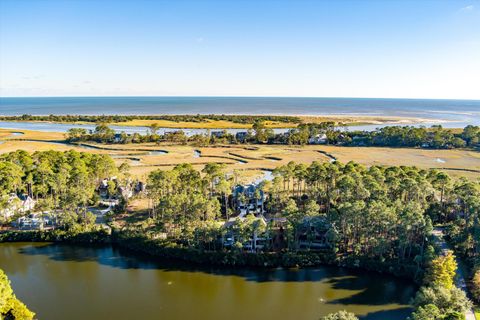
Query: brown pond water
point(77, 282)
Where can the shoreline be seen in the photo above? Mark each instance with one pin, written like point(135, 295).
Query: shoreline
point(209, 258)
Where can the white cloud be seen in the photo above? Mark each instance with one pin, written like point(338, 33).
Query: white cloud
point(467, 8)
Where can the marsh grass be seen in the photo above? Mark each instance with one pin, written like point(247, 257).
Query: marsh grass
point(255, 158)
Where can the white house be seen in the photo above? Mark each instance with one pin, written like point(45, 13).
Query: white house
point(17, 204)
point(318, 139)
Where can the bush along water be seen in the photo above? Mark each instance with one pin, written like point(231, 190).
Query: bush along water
point(99, 236)
point(136, 241)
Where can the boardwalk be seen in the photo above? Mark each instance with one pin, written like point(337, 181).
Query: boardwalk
point(460, 278)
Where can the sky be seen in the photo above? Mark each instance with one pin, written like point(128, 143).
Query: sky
point(388, 49)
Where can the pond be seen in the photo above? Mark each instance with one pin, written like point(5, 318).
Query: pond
point(77, 282)
point(267, 175)
point(157, 153)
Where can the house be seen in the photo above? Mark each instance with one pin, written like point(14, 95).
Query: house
point(27, 203)
point(282, 138)
point(34, 221)
point(233, 234)
point(315, 233)
point(218, 134)
point(241, 136)
point(117, 138)
point(140, 187)
point(249, 198)
point(278, 233)
point(126, 192)
point(103, 188)
point(425, 145)
point(320, 138)
point(17, 204)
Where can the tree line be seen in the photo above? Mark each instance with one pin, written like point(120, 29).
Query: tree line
point(463, 229)
point(379, 213)
point(62, 182)
point(435, 137)
point(382, 214)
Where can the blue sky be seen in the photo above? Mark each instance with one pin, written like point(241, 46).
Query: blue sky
point(404, 49)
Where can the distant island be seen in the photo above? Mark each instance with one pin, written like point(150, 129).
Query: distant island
point(212, 121)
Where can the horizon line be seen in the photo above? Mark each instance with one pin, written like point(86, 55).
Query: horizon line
point(231, 96)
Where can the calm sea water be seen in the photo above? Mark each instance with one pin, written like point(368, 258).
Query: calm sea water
point(436, 109)
point(458, 113)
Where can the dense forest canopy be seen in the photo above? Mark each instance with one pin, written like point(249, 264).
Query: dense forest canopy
point(66, 177)
point(60, 182)
point(378, 212)
point(383, 213)
point(377, 216)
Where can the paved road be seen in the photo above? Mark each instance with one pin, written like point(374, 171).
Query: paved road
point(460, 278)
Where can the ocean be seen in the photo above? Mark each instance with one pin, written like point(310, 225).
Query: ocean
point(458, 112)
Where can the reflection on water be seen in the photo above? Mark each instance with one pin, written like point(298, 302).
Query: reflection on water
point(109, 283)
point(267, 175)
point(157, 153)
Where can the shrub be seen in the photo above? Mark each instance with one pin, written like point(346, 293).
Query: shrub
point(476, 285)
point(447, 301)
point(10, 306)
point(340, 315)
